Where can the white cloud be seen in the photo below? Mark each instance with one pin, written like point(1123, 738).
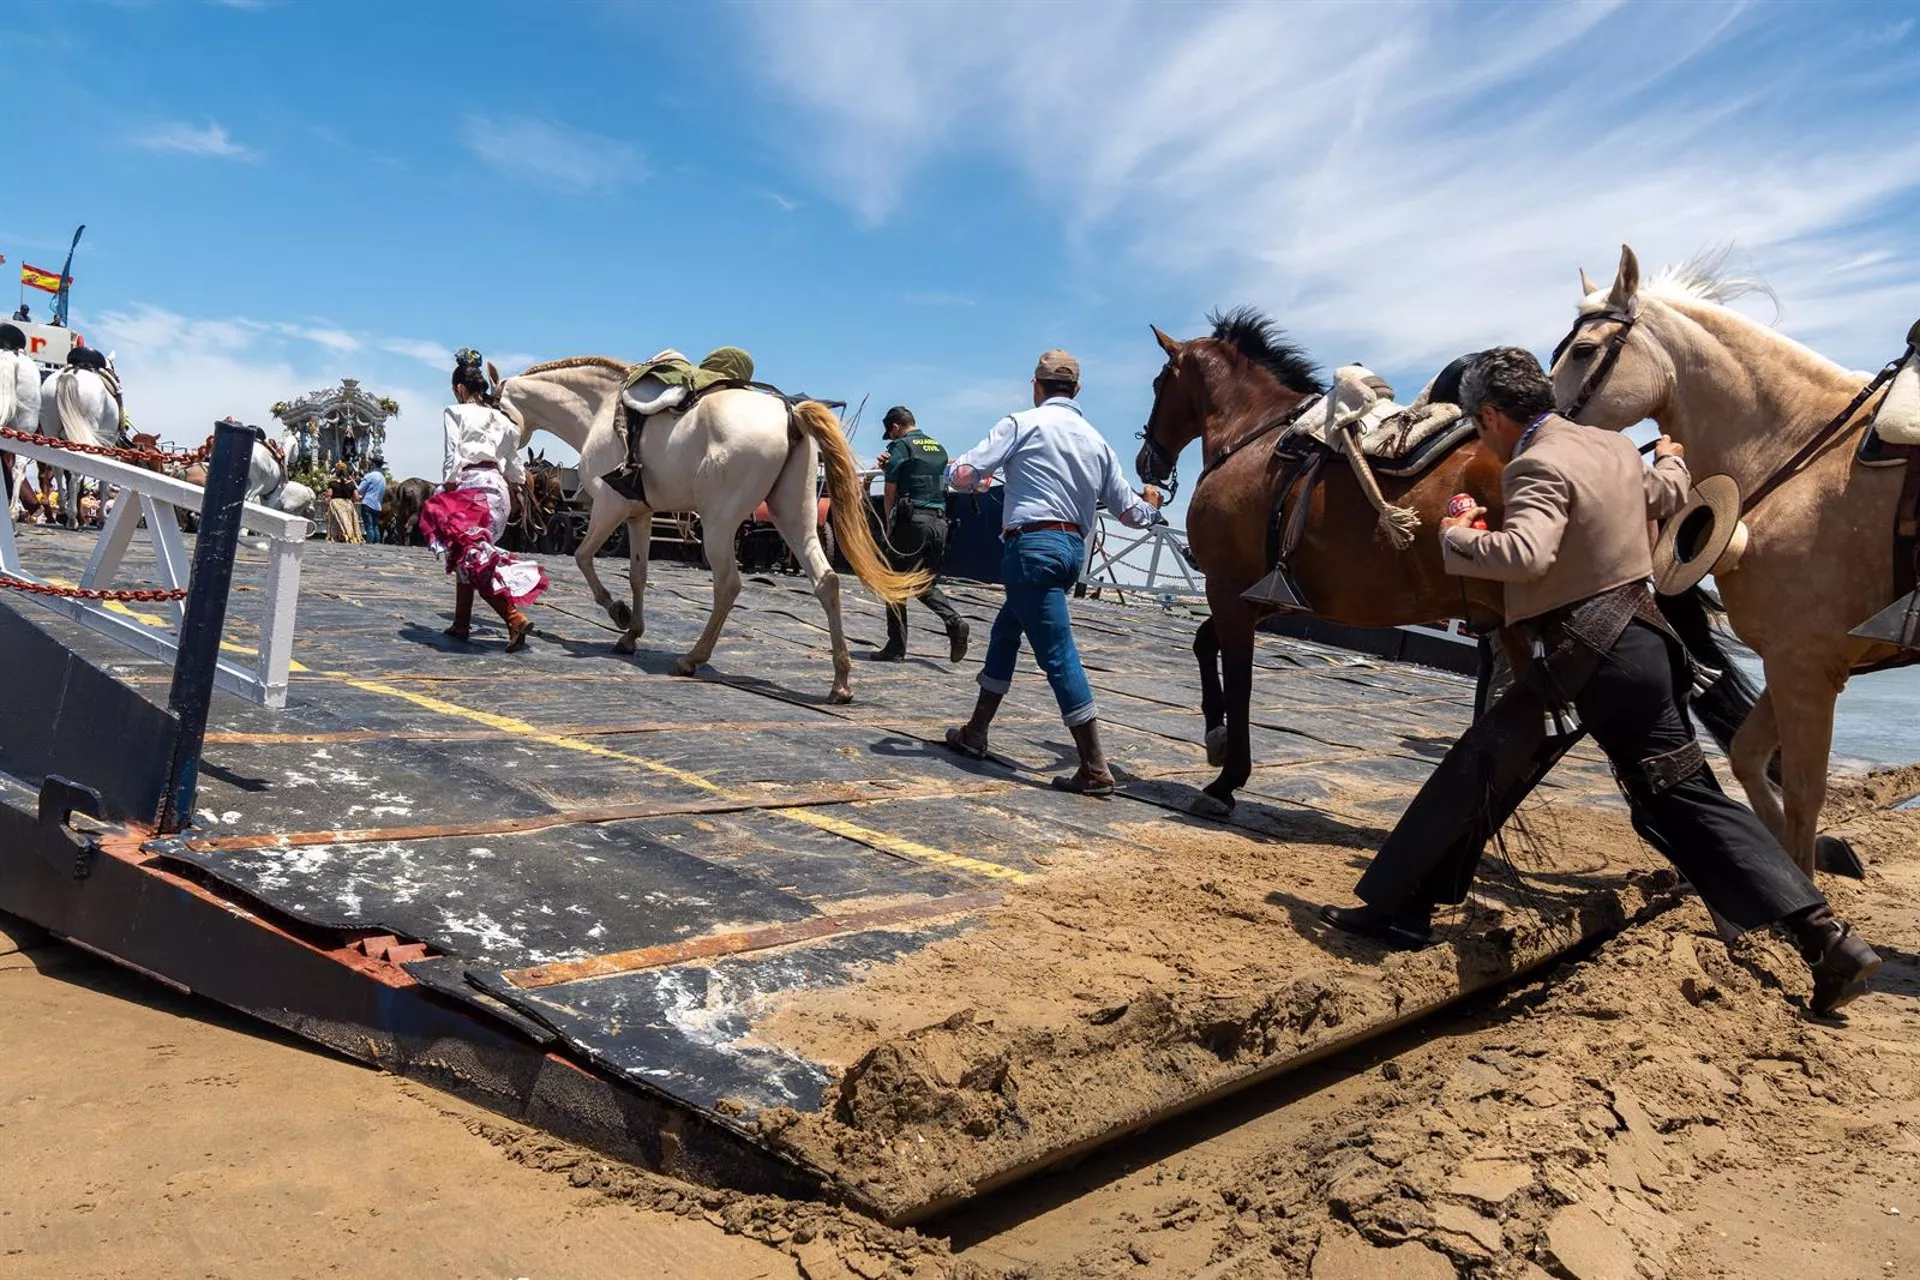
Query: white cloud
point(433, 353)
point(541, 152)
point(183, 139)
point(183, 373)
point(1395, 183)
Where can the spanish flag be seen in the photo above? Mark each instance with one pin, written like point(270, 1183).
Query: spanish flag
point(35, 278)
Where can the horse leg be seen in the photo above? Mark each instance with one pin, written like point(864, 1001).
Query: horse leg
point(1754, 743)
point(607, 514)
point(792, 506)
point(716, 537)
point(639, 543)
point(1233, 622)
point(1213, 701)
point(1803, 701)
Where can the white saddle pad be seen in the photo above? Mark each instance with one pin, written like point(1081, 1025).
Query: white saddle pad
point(1898, 418)
point(650, 395)
point(1389, 432)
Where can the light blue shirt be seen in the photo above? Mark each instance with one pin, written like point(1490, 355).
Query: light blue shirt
point(373, 490)
point(1054, 466)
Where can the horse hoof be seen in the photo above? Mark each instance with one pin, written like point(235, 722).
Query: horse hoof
point(1207, 806)
point(623, 645)
point(685, 667)
point(622, 615)
point(1217, 746)
point(1837, 858)
point(840, 697)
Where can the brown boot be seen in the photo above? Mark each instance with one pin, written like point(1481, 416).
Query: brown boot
point(462, 611)
point(518, 624)
point(1093, 777)
point(1840, 961)
point(970, 739)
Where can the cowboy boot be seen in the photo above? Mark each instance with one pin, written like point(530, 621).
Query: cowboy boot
point(518, 624)
point(957, 640)
point(1093, 777)
point(896, 646)
point(462, 611)
point(1408, 929)
point(1841, 963)
point(970, 739)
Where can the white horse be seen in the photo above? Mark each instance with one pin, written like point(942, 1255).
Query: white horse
point(268, 485)
point(719, 459)
point(82, 405)
point(19, 411)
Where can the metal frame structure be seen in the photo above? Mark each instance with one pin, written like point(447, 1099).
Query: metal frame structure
point(159, 497)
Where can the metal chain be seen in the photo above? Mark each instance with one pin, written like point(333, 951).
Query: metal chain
point(157, 457)
point(150, 595)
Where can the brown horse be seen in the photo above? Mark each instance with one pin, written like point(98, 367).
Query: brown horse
point(1236, 390)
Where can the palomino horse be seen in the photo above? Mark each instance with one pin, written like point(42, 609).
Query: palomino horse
point(1236, 391)
point(719, 459)
point(1819, 561)
point(80, 403)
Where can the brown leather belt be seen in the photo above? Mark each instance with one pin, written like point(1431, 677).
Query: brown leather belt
point(1040, 526)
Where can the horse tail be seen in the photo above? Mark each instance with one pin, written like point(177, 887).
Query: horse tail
point(850, 527)
point(71, 401)
point(1695, 616)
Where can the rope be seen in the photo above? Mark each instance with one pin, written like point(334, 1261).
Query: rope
point(149, 595)
point(1396, 523)
point(156, 457)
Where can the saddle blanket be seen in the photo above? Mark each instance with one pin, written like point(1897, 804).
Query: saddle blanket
point(1399, 440)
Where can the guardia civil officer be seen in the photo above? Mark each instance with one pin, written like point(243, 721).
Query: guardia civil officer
point(1056, 468)
point(1591, 655)
point(915, 469)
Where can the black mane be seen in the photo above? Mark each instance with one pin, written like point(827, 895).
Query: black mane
point(1262, 341)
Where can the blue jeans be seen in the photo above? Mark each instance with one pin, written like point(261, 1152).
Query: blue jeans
point(369, 523)
point(1038, 569)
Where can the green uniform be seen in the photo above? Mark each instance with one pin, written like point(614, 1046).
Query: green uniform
point(917, 468)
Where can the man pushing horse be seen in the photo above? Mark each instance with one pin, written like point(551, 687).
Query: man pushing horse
point(1591, 655)
point(1056, 468)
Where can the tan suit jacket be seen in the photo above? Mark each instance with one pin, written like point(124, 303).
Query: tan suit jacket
point(1577, 504)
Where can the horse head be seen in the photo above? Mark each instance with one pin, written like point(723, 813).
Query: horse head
point(1608, 371)
point(1245, 366)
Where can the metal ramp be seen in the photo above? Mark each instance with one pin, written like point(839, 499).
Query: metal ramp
point(574, 887)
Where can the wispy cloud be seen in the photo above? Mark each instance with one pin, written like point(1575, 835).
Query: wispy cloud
point(544, 153)
point(433, 353)
point(1396, 183)
point(785, 204)
point(213, 141)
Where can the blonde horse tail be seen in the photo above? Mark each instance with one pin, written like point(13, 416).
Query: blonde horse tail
point(849, 505)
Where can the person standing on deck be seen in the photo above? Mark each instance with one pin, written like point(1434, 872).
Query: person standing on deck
point(465, 518)
point(1591, 654)
point(915, 468)
point(373, 492)
point(1056, 468)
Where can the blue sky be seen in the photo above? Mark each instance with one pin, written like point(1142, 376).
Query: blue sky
point(911, 201)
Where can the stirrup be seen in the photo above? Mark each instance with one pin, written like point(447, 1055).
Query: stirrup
point(1897, 624)
point(1277, 591)
point(627, 482)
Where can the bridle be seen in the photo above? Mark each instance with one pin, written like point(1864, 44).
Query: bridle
point(1597, 376)
point(1156, 453)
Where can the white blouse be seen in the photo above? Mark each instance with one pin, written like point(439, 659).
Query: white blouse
point(477, 433)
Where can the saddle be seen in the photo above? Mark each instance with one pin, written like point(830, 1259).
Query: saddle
point(1893, 439)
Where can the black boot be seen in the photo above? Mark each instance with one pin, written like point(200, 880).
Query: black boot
point(1093, 777)
point(970, 739)
point(1840, 961)
point(957, 635)
point(896, 647)
point(1408, 929)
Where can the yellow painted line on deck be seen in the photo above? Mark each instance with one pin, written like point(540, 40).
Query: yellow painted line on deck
point(899, 847)
point(159, 623)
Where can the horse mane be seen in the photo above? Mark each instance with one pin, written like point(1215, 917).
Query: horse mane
point(1704, 277)
point(578, 362)
point(1255, 336)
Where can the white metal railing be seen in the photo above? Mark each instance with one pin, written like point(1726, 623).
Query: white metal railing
point(157, 498)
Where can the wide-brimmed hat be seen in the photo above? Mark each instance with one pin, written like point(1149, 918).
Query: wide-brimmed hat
point(1705, 536)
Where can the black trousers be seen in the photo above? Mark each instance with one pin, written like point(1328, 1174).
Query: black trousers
point(1630, 707)
point(918, 540)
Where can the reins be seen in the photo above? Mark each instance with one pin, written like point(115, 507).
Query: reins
point(1788, 469)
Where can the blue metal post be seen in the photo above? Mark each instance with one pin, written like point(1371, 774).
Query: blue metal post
point(205, 617)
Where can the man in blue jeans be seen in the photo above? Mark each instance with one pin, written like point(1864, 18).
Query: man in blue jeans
point(373, 492)
point(1056, 468)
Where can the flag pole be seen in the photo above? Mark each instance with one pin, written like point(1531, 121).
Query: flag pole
point(66, 280)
